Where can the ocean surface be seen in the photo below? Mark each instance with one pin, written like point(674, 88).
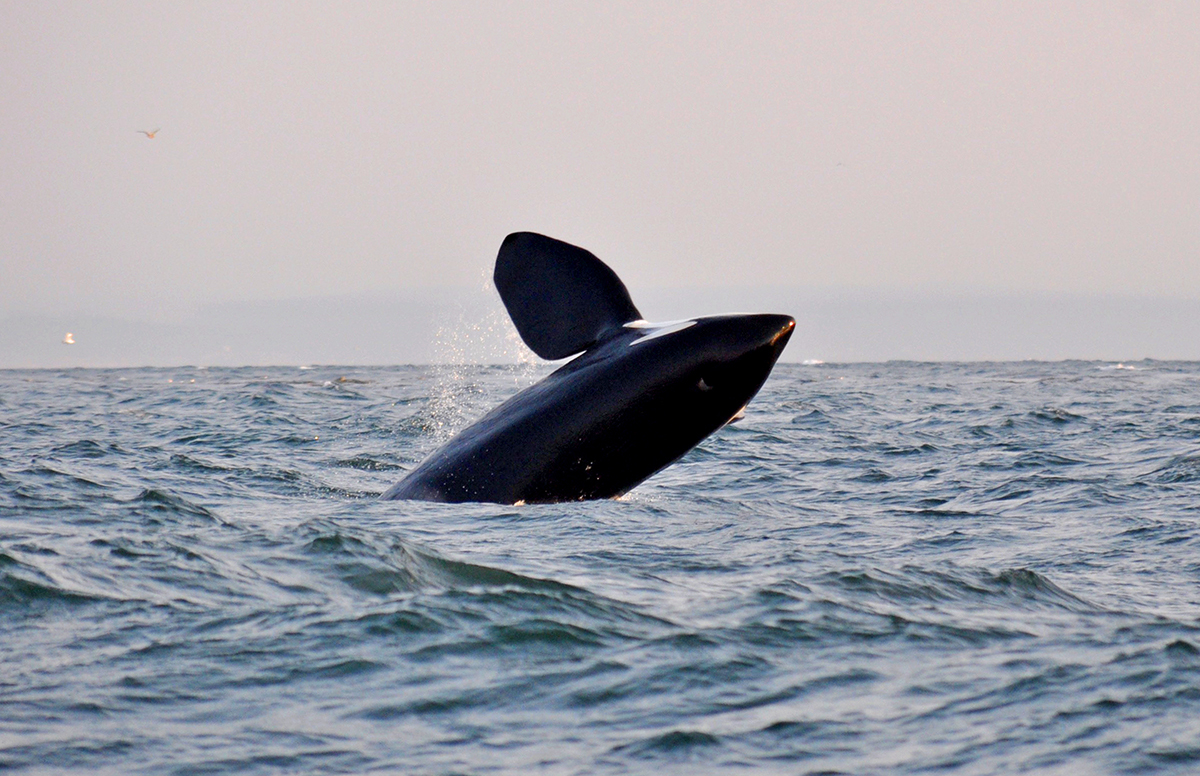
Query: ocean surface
point(894, 568)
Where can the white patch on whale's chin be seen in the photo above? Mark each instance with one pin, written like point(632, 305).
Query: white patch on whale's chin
point(737, 416)
point(653, 330)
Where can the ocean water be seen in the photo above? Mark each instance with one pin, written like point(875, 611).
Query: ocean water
point(883, 568)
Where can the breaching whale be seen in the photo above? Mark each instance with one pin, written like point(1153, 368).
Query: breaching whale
point(637, 398)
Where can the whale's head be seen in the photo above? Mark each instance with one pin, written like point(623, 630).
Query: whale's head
point(712, 365)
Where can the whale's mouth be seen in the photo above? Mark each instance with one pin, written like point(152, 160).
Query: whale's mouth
point(765, 338)
point(780, 339)
point(784, 334)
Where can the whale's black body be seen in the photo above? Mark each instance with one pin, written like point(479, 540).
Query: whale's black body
point(638, 397)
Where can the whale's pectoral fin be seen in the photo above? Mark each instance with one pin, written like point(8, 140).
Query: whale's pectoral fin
point(561, 298)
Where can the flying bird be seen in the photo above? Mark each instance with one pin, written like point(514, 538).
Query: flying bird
point(149, 134)
point(69, 339)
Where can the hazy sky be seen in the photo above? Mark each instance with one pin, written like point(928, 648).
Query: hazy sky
point(316, 149)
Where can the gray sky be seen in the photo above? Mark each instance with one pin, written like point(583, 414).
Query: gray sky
point(348, 149)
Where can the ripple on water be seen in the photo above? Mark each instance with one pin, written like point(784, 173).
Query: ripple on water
point(882, 568)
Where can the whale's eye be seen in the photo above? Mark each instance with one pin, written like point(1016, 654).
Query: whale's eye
point(703, 385)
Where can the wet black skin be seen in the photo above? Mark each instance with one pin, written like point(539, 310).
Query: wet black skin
point(605, 421)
